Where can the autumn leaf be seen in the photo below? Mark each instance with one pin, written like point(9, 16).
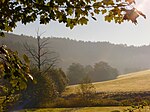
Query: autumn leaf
point(131, 15)
point(139, 12)
point(130, 1)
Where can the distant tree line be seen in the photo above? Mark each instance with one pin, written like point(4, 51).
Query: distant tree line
point(101, 71)
point(125, 58)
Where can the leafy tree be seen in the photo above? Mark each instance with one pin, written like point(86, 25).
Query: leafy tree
point(14, 74)
point(70, 12)
point(59, 78)
point(48, 87)
point(88, 70)
point(75, 73)
point(86, 89)
point(37, 94)
point(102, 71)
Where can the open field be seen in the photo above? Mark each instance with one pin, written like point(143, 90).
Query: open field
point(118, 94)
point(133, 82)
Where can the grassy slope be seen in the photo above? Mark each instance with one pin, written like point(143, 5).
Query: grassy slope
point(138, 81)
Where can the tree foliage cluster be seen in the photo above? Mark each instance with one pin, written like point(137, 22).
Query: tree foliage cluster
point(44, 91)
point(69, 12)
point(14, 74)
point(103, 71)
point(86, 89)
point(100, 72)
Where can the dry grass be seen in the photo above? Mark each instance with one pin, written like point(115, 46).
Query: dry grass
point(86, 109)
point(138, 81)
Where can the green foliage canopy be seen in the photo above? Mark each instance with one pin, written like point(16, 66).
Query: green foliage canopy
point(59, 78)
point(101, 71)
point(14, 74)
point(37, 94)
point(48, 87)
point(75, 73)
point(13, 69)
point(70, 12)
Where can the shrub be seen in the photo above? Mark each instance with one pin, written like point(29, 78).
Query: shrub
point(48, 86)
point(86, 89)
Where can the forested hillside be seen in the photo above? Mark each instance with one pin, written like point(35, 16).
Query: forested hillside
point(125, 58)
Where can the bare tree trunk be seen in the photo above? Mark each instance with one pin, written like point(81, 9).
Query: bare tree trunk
point(39, 53)
point(41, 56)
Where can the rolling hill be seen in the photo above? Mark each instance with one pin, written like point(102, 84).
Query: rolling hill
point(133, 82)
point(120, 56)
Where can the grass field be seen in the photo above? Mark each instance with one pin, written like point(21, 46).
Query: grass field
point(133, 82)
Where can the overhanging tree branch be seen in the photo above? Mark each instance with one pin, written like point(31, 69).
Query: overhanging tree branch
point(69, 12)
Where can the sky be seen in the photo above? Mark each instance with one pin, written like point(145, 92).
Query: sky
point(125, 33)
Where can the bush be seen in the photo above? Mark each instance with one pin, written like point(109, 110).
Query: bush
point(37, 93)
point(59, 78)
point(48, 86)
point(86, 89)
